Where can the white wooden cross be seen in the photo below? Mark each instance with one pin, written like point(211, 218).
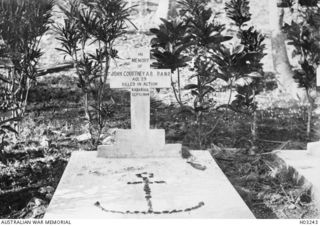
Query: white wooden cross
point(140, 141)
point(140, 79)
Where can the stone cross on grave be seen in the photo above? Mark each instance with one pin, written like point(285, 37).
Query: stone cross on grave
point(140, 140)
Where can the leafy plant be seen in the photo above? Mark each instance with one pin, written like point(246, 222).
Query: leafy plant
point(98, 23)
point(205, 30)
point(308, 3)
point(304, 36)
point(241, 66)
point(189, 7)
point(191, 39)
point(7, 106)
point(206, 37)
point(6, 127)
point(249, 83)
point(238, 11)
point(22, 24)
point(168, 48)
point(285, 3)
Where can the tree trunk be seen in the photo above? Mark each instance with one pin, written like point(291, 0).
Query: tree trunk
point(280, 57)
point(172, 11)
point(254, 127)
point(162, 11)
point(310, 110)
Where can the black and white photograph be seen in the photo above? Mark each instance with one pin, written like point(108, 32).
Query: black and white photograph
point(159, 109)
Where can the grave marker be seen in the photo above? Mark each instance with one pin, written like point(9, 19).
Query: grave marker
point(102, 188)
point(140, 141)
point(133, 181)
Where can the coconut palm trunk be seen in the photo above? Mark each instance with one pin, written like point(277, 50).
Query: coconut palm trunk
point(280, 57)
point(162, 11)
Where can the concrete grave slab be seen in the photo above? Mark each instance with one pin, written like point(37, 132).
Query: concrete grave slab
point(314, 149)
point(151, 143)
point(307, 165)
point(140, 176)
point(103, 188)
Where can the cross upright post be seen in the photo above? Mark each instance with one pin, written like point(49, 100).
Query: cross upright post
point(140, 99)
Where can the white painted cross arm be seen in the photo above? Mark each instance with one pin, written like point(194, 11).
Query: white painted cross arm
point(151, 78)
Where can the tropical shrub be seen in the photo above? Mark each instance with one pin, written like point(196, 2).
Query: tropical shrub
point(98, 23)
point(303, 34)
point(241, 65)
point(213, 59)
point(22, 24)
point(190, 40)
point(168, 48)
point(207, 36)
